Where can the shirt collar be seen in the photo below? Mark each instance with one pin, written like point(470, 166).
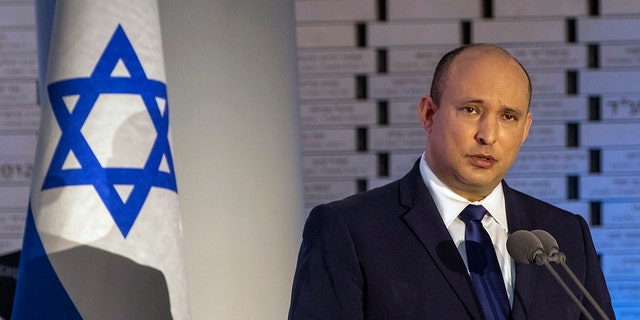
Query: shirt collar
point(450, 204)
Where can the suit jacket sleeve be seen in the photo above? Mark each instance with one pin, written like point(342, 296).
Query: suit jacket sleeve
point(328, 281)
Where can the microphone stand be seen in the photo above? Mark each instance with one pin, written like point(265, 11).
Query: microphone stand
point(561, 261)
point(564, 286)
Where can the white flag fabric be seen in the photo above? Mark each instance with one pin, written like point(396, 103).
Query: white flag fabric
point(103, 236)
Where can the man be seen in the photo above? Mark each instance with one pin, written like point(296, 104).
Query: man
point(407, 250)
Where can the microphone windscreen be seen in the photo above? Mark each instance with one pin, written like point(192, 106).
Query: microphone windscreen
point(523, 246)
point(549, 243)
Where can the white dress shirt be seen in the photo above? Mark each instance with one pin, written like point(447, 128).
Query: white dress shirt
point(450, 204)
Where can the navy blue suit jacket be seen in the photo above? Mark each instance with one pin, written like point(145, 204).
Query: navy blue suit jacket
point(386, 254)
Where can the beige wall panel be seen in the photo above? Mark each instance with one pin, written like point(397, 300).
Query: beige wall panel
point(433, 9)
point(404, 34)
point(619, 7)
point(335, 10)
point(326, 36)
point(539, 8)
point(609, 134)
point(608, 29)
point(598, 82)
point(519, 31)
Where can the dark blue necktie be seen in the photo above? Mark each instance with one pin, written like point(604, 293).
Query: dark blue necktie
point(483, 265)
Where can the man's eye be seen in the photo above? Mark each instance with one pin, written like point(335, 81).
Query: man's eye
point(470, 109)
point(510, 117)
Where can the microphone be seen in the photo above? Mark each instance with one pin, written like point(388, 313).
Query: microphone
point(525, 247)
point(550, 246)
point(552, 249)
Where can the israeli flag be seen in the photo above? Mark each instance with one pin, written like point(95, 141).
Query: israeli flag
point(103, 235)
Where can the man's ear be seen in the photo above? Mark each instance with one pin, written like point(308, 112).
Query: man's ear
point(426, 111)
point(527, 125)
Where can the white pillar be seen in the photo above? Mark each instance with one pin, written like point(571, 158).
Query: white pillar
point(232, 91)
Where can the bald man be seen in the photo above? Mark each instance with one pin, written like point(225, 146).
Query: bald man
point(409, 249)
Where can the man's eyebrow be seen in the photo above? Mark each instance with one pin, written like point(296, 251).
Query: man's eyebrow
point(504, 108)
point(477, 101)
point(508, 109)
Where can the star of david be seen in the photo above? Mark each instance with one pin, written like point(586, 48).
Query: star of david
point(157, 171)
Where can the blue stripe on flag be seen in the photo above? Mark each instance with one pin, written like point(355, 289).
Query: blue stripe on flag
point(39, 293)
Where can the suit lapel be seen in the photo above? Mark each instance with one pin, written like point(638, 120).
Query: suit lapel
point(526, 274)
point(425, 222)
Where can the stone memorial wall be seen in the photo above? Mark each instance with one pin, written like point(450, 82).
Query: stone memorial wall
point(364, 64)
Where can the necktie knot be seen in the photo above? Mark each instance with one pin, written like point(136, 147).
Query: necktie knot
point(472, 212)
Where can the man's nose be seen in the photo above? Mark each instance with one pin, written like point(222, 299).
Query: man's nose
point(487, 130)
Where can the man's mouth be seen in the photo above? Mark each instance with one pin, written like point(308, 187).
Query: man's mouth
point(482, 161)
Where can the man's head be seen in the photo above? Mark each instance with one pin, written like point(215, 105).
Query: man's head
point(477, 118)
point(438, 82)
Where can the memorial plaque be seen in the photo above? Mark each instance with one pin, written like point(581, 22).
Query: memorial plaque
point(18, 41)
point(548, 83)
point(404, 112)
point(607, 29)
point(17, 15)
point(15, 169)
point(327, 88)
point(620, 107)
point(18, 66)
point(326, 36)
point(558, 161)
point(580, 208)
point(624, 293)
point(412, 60)
point(400, 164)
point(559, 109)
point(416, 34)
point(343, 10)
point(510, 8)
point(609, 187)
point(543, 188)
point(546, 136)
point(18, 93)
point(621, 213)
point(343, 61)
point(317, 192)
point(619, 55)
point(627, 313)
point(599, 82)
point(420, 9)
point(12, 197)
point(615, 241)
point(17, 143)
point(620, 267)
point(386, 138)
point(620, 7)
point(627, 160)
point(21, 118)
point(353, 166)
point(347, 113)
point(520, 31)
point(550, 57)
point(329, 140)
point(12, 223)
point(609, 134)
point(399, 86)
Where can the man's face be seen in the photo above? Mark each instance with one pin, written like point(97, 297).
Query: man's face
point(482, 120)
